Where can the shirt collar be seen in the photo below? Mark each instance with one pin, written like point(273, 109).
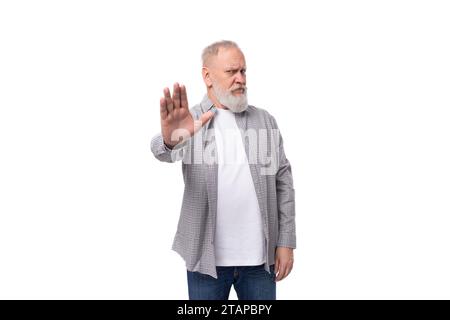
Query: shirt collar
point(206, 103)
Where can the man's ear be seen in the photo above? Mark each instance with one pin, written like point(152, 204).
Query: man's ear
point(206, 77)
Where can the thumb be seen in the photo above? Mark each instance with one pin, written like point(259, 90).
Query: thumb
point(204, 118)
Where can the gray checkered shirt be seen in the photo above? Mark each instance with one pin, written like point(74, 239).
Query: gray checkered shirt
point(194, 239)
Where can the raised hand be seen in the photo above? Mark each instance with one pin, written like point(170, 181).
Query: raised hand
point(177, 123)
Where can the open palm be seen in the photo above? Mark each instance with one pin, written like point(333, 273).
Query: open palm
point(177, 123)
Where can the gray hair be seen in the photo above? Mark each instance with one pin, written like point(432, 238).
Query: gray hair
point(213, 49)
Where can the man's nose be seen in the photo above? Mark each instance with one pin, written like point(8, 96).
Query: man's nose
point(240, 78)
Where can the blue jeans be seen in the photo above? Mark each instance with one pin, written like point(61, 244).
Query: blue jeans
point(250, 283)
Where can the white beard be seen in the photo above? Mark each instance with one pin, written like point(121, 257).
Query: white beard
point(235, 104)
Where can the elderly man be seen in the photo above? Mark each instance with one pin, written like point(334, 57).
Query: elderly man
point(237, 221)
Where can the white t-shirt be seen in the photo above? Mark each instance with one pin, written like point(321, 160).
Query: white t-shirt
point(239, 237)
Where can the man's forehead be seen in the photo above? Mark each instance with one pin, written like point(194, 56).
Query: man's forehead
point(231, 57)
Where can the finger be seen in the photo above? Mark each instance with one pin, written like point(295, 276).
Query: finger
point(277, 266)
point(184, 101)
point(176, 96)
point(288, 270)
point(168, 99)
point(280, 275)
point(163, 108)
point(289, 267)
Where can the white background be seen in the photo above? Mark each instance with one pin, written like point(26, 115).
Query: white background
point(360, 90)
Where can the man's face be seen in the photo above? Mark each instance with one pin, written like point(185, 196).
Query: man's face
point(228, 70)
point(227, 73)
